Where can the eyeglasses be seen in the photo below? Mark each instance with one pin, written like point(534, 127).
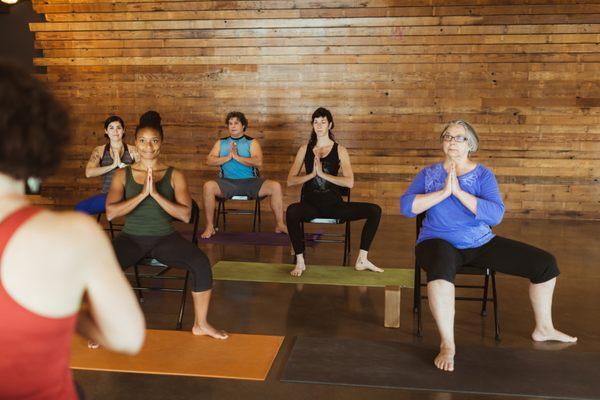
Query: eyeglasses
point(457, 139)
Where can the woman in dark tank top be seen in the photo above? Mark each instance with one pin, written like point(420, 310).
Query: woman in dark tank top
point(322, 188)
point(150, 195)
point(105, 160)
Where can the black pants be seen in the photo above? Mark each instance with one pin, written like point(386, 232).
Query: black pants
point(172, 250)
point(440, 259)
point(349, 211)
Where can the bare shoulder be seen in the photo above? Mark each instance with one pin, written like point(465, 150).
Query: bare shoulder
point(343, 151)
point(302, 149)
point(60, 241)
point(132, 149)
point(176, 173)
point(72, 229)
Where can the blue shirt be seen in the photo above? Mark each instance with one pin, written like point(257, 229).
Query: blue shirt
point(234, 169)
point(450, 220)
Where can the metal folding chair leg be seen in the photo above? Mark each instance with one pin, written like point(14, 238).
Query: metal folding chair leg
point(140, 294)
point(485, 293)
point(495, 294)
point(183, 299)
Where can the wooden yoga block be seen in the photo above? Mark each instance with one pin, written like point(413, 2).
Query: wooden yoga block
point(393, 280)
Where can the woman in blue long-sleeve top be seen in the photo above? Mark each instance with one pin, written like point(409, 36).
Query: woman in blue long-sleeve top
point(462, 202)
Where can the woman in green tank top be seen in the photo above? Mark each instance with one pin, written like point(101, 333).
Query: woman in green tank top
point(151, 195)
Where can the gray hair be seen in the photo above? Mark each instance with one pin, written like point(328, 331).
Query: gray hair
point(472, 138)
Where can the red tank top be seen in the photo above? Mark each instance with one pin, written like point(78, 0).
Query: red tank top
point(34, 350)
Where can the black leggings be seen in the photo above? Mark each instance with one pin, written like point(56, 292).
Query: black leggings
point(172, 250)
point(349, 211)
point(440, 259)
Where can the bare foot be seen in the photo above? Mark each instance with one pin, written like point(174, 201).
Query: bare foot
point(208, 330)
point(362, 265)
point(92, 345)
point(208, 232)
point(281, 229)
point(298, 270)
point(445, 359)
point(543, 335)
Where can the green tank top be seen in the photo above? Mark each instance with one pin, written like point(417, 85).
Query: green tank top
point(148, 218)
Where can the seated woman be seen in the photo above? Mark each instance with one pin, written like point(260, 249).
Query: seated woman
point(105, 160)
point(51, 261)
point(462, 201)
point(150, 194)
point(322, 158)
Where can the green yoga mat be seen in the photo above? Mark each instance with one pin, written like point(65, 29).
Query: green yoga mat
point(314, 274)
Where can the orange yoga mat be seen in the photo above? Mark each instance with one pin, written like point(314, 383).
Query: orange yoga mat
point(165, 352)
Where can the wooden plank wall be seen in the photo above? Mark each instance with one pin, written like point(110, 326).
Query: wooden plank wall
point(525, 73)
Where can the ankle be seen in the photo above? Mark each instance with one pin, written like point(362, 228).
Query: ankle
point(543, 329)
point(448, 346)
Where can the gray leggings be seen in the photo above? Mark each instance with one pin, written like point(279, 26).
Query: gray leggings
point(172, 250)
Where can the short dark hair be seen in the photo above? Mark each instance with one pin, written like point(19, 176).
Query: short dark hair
point(240, 116)
point(320, 113)
point(112, 119)
point(35, 126)
point(150, 119)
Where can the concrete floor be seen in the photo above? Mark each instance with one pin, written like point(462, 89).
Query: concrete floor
point(291, 311)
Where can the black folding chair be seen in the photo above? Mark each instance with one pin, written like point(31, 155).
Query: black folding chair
point(162, 275)
point(112, 226)
point(222, 211)
point(334, 237)
point(463, 270)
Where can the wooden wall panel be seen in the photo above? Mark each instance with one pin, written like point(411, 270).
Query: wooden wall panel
point(525, 73)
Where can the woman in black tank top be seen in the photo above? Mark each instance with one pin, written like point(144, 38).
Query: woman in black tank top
point(322, 191)
point(105, 160)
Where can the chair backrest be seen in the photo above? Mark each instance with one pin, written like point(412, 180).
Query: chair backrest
point(195, 220)
point(345, 192)
point(419, 224)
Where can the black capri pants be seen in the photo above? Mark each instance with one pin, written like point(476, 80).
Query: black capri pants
point(172, 250)
point(440, 259)
point(328, 206)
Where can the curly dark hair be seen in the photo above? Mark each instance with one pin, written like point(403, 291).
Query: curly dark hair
point(34, 124)
point(151, 119)
point(240, 116)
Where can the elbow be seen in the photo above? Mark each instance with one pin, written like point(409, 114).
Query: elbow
point(87, 173)
point(351, 183)
point(187, 216)
point(131, 343)
point(406, 207)
point(110, 213)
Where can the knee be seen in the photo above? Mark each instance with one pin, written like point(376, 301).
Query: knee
point(202, 272)
point(546, 268)
point(375, 210)
point(293, 212)
point(210, 187)
point(275, 187)
point(272, 188)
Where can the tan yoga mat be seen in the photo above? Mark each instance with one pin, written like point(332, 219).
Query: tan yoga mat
point(165, 352)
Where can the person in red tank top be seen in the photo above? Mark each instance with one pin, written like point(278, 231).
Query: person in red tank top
point(50, 261)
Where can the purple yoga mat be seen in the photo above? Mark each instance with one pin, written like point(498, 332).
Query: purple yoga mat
point(255, 238)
